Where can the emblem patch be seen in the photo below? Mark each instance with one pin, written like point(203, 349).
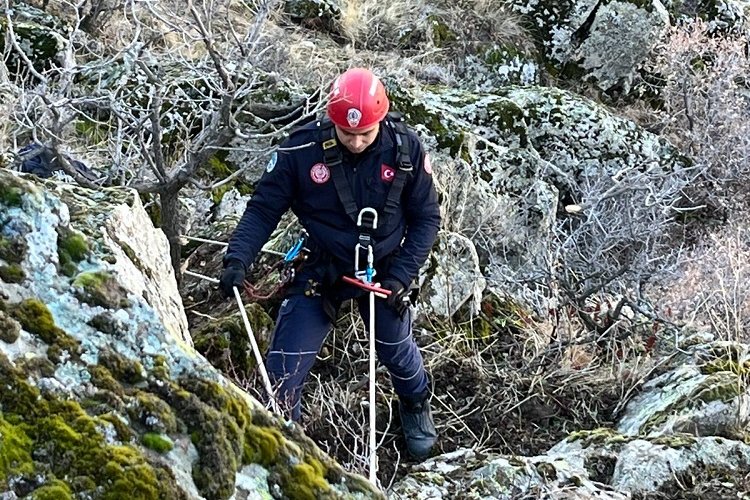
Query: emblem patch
point(319, 173)
point(353, 116)
point(272, 162)
point(387, 173)
point(427, 164)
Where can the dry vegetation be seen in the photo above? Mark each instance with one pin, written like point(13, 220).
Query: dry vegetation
point(505, 380)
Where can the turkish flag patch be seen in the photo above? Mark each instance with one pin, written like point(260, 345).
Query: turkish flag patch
point(387, 173)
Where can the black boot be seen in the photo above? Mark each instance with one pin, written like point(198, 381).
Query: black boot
point(416, 422)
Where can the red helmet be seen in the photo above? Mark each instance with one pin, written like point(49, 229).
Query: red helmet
point(357, 100)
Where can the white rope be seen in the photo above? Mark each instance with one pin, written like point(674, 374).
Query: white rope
point(225, 244)
point(256, 352)
point(373, 442)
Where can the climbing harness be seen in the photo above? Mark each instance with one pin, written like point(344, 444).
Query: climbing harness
point(333, 158)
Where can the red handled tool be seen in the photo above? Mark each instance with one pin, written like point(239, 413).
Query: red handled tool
point(370, 287)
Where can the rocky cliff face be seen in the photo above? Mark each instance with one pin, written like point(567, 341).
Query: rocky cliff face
point(103, 395)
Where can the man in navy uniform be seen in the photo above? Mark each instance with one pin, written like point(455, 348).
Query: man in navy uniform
point(356, 180)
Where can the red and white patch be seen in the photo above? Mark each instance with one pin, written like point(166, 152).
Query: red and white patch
point(427, 164)
point(319, 173)
point(387, 173)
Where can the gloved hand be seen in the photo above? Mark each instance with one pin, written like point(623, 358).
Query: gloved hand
point(233, 276)
point(398, 293)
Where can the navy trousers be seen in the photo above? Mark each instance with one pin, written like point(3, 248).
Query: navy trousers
point(302, 326)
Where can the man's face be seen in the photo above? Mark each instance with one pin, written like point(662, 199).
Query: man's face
point(357, 141)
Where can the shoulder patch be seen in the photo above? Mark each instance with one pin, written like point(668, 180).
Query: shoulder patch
point(319, 173)
point(427, 164)
point(272, 162)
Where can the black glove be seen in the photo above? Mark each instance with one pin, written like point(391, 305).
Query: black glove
point(398, 299)
point(233, 276)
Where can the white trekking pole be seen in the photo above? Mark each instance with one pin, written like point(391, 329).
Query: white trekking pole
point(256, 350)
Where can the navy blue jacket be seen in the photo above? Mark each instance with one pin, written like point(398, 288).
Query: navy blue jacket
point(299, 180)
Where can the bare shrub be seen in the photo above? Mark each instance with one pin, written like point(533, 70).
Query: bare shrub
point(373, 24)
point(710, 290)
point(705, 94)
point(470, 24)
point(180, 87)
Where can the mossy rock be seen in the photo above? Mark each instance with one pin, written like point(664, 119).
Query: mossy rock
point(153, 413)
point(10, 329)
point(675, 441)
point(106, 322)
point(67, 443)
point(15, 452)
point(598, 436)
point(100, 288)
point(102, 378)
point(12, 250)
point(225, 343)
point(54, 490)
point(36, 366)
point(11, 196)
point(72, 248)
point(121, 367)
point(36, 318)
point(12, 273)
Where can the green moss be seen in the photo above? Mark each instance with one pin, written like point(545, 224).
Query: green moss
point(11, 196)
point(121, 367)
point(262, 445)
point(54, 490)
point(72, 248)
point(215, 434)
point(37, 319)
point(217, 169)
point(124, 434)
point(10, 329)
point(67, 444)
point(18, 399)
point(12, 273)
point(601, 435)
point(510, 118)
point(15, 452)
point(102, 378)
point(157, 442)
point(675, 441)
point(100, 288)
point(160, 368)
point(36, 366)
point(720, 386)
point(153, 413)
point(305, 481)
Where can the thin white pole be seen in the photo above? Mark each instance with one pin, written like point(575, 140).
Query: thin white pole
point(256, 352)
point(373, 442)
point(201, 276)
